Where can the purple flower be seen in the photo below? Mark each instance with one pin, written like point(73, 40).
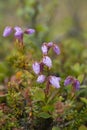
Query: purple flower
point(18, 29)
point(18, 32)
point(55, 81)
point(76, 84)
point(41, 78)
point(7, 31)
point(56, 49)
point(68, 81)
point(44, 49)
point(19, 35)
point(36, 67)
point(29, 31)
point(47, 61)
point(50, 44)
point(73, 81)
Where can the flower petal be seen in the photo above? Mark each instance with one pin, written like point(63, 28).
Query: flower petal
point(56, 49)
point(76, 84)
point(29, 31)
point(41, 78)
point(18, 29)
point(47, 61)
point(73, 81)
point(44, 49)
point(50, 44)
point(68, 81)
point(7, 31)
point(55, 81)
point(36, 67)
point(19, 35)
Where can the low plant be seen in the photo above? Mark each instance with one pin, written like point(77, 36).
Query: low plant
point(36, 97)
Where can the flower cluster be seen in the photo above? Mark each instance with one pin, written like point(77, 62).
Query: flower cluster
point(72, 81)
point(18, 32)
point(46, 46)
point(46, 61)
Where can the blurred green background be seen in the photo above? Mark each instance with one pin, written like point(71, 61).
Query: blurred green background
point(60, 21)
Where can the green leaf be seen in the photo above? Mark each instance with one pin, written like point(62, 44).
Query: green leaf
point(76, 68)
point(55, 128)
point(82, 127)
point(39, 95)
point(80, 78)
point(84, 100)
point(49, 108)
point(44, 115)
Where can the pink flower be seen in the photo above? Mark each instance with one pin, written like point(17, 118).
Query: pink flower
point(55, 81)
point(7, 31)
point(36, 67)
point(47, 61)
point(41, 78)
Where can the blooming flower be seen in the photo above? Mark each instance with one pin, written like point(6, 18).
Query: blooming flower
point(68, 81)
point(44, 49)
point(73, 81)
point(29, 31)
point(7, 31)
point(50, 44)
point(18, 32)
point(56, 49)
point(36, 67)
point(18, 29)
point(55, 81)
point(41, 78)
point(76, 84)
point(47, 61)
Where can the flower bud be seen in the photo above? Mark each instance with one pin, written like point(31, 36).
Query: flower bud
point(55, 81)
point(56, 49)
point(7, 31)
point(36, 68)
point(47, 61)
point(29, 31)
point(44, 49)
point(41, 78)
